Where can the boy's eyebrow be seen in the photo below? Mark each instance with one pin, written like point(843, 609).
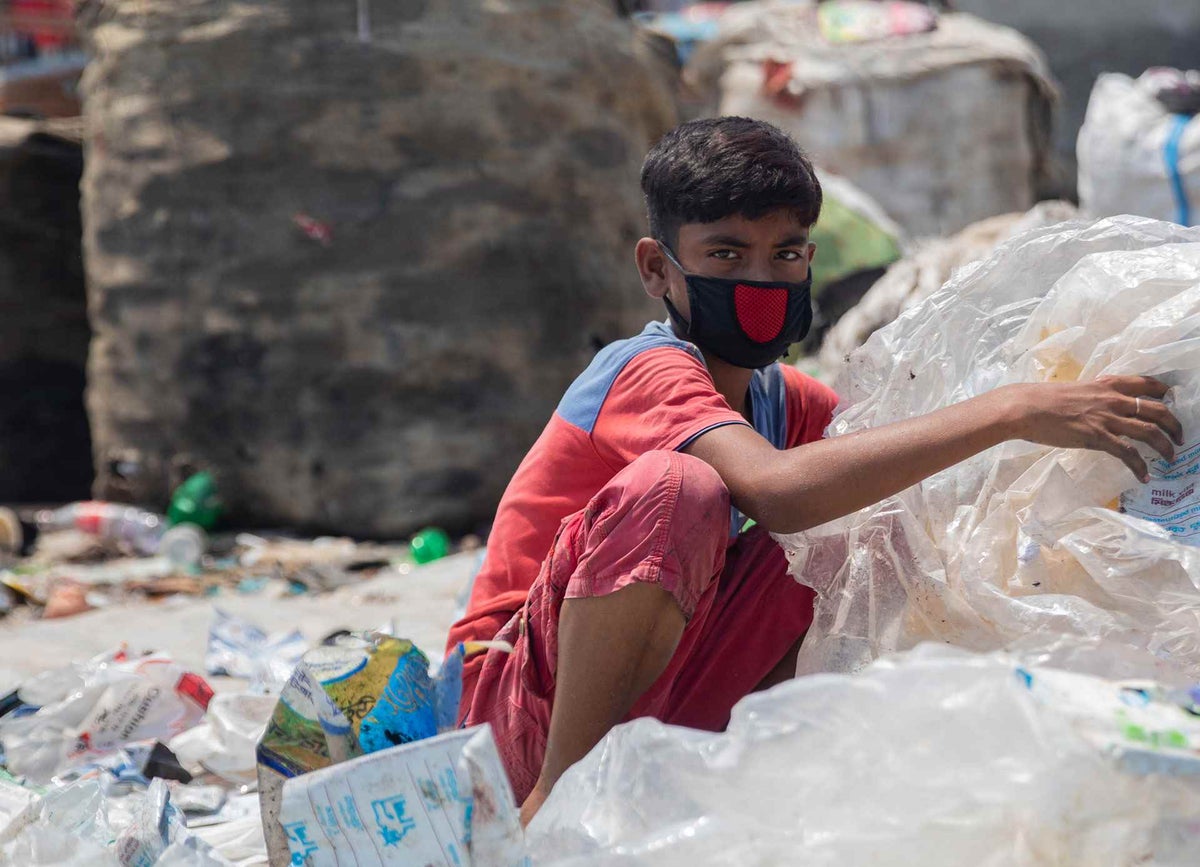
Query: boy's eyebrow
point(725, 240)
point(734, 241)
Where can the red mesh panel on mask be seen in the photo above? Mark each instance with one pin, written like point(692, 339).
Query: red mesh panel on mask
point(760, 312)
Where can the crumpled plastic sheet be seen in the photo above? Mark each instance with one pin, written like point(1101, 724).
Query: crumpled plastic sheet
point(80, 825)
point(239, 648)
point(1024, 543)
point(238, 837)
point(933, 758)
point(225, 740)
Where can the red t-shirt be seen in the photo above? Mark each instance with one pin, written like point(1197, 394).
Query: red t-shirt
point(648, 392)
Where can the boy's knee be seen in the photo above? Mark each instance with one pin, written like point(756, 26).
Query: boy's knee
point(695, 484)
point(690, 503)
point(703, 483)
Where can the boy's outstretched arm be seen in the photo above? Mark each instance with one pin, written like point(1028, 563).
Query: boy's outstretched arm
point(793, 490)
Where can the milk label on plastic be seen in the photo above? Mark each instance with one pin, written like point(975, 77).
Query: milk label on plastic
point(1170, 498)
point(411, 804)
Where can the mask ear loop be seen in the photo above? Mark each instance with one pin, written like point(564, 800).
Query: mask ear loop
point(675, 314)
point(671, 257)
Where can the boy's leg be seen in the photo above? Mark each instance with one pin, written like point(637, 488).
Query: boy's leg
point(619, 603)
point(746, 638)
point(753, 630)
point(611, 650)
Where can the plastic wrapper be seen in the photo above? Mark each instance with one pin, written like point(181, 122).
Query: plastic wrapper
point(239, 836)
point(91, 710)
point(934, 758)
point(239, 648)
point(14, 797)
point(1023, 542)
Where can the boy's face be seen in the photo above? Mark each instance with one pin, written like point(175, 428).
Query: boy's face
point(773, 248)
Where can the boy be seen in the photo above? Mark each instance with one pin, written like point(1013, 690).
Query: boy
point(619, 566)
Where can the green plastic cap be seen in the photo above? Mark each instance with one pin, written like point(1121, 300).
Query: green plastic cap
point(430, 544)
point(196, 502)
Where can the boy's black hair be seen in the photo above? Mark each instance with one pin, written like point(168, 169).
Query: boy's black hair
point(706, 170)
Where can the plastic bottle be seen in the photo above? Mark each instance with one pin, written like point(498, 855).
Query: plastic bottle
point(183, 545)
point(196, 502)
point(134, 527)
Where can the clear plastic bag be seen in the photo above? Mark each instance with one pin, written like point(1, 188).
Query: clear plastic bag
point(95, 708)
point(934, 758)
point(239, 648)
point(224, 742)
point(1023, 542)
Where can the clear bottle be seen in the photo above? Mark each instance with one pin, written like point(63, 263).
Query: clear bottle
point(130, 526)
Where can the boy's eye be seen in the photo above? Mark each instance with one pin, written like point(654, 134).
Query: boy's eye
point(789, 255)
point(723, 254)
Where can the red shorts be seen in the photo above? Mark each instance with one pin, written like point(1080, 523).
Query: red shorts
point(662, 520)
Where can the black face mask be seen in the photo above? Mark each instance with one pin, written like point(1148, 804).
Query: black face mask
point(746, 323)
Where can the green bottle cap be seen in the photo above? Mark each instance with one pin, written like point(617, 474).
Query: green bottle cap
point(196, 502)
point(429, 544)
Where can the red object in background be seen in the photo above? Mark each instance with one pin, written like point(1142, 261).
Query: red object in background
point(705, 11)
point(314, 229)
point(51, 23)
point(777, 75)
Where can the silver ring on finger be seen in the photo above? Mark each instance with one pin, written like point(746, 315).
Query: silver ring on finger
point(1137, 407)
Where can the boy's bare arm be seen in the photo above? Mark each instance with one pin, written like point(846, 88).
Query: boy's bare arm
point(789, 491)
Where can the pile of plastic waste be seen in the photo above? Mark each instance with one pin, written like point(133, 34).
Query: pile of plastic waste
point(1024, 542)
point(1139, 147)
point(89, 778)
point(60, 562)
point(130, 758)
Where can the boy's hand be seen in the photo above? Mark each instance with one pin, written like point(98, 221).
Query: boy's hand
point(1101, 415)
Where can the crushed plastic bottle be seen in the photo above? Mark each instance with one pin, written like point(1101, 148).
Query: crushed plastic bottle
point(126, 525)
point(137, 530)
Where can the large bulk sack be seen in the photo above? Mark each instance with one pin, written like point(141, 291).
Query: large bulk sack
point(1136, 156)
point(348, 256)
point(1024, 542)
point(942, 128)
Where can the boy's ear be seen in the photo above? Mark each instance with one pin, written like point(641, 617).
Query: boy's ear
point(812, 252)
point(652, 267)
